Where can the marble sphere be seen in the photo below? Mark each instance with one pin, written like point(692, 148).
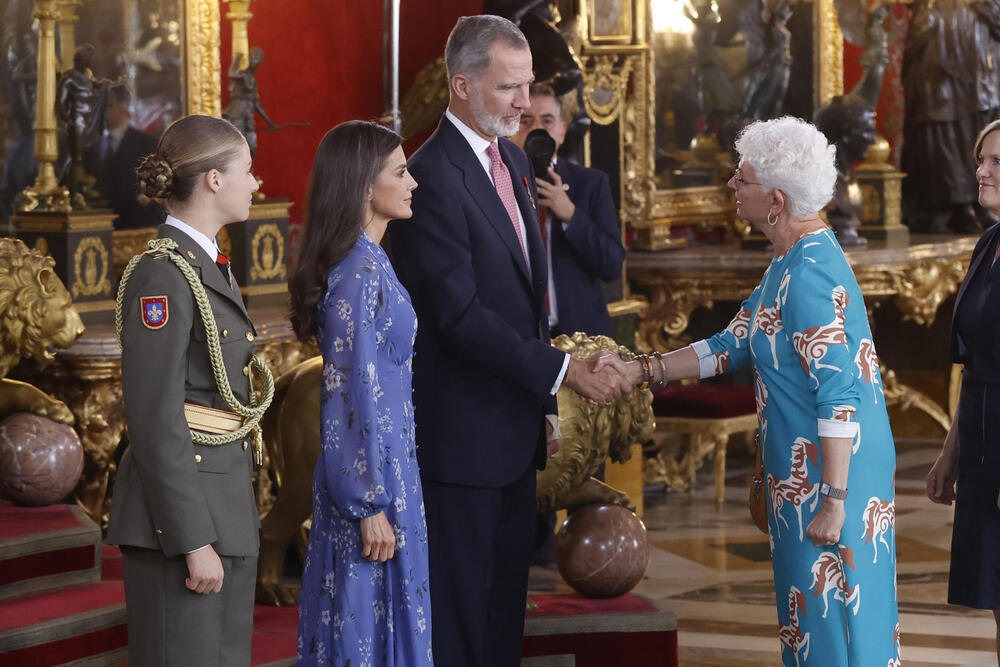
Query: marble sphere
point(602, 550)
point(40, 460)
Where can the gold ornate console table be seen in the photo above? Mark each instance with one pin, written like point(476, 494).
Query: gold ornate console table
point(87, 377)
point(917, 278)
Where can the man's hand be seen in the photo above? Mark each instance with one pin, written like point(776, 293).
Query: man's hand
point(631, 372)
point(205, 571)
point(551, 447)
point(378, 542)
point(554, 196)
point(598, 386)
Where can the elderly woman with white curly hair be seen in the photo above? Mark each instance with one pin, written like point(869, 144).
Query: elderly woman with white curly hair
point(828, 453)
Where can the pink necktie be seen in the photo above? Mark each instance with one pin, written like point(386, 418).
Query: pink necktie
point(501, 178)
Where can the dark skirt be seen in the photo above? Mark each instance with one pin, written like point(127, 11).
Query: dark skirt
point(975, 546)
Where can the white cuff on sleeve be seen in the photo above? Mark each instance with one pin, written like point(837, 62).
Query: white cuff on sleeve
point(561, 376)
point(198, 549)
point(706, 360)
point(834, 428)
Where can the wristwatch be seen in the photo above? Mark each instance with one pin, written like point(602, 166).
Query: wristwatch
point(832, 491)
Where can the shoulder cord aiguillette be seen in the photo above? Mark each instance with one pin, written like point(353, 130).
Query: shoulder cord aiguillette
point(251, 414)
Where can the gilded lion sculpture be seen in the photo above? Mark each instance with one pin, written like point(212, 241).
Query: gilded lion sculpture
point(37, 318)
point(590, 434)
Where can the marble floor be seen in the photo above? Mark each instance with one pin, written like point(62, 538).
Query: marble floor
point(711, 567)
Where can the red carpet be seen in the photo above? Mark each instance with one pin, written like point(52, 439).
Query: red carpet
point(601, 633)
point(19, 521)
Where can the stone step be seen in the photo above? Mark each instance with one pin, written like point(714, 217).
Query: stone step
point(78, 625)
point(46, 548)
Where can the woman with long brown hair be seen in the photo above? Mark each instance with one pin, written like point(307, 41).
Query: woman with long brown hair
point(365, 596)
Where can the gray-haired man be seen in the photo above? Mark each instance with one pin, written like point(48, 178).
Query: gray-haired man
point(485, 376)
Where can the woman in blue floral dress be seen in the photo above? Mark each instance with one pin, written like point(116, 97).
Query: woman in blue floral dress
point(365, 585)
point(829, 457)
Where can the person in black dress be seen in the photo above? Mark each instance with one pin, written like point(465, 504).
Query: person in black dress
point(971, 451)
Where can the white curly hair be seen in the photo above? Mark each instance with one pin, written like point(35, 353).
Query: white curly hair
point(791, 155)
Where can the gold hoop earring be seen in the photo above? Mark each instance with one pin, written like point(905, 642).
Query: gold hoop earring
point(769, 221)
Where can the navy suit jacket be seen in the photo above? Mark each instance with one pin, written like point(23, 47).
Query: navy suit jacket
point(587, 252)
point(483, 367)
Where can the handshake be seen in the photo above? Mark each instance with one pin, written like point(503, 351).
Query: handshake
point(600, 378)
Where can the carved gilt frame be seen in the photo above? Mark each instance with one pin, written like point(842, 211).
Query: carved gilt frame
point(628, 69)
point(203, 86)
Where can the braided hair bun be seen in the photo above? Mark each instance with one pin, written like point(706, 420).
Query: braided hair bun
point(156, 177)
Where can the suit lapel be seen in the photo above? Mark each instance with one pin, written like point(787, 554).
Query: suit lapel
point(211, 277)
point(482, 190)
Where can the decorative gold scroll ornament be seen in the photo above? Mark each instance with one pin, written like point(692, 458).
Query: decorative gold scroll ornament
point(90, 266)
point(202, 62)
point(267, 252)
point(605, 83)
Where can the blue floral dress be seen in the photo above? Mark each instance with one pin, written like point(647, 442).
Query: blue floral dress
point(805, 331)
point(352, 611)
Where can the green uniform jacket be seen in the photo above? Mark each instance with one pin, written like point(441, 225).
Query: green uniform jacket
point(171, 494)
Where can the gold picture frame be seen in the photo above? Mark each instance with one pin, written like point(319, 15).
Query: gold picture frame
point(610, 21)
point(202, 76)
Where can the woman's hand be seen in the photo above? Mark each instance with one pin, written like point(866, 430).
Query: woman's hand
point(378, 542)
point(205, 572)
point(941, 478)
point(825, 527)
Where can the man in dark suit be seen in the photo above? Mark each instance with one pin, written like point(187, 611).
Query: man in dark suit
point(119, 151)
point(579, 226)
point(485, 376)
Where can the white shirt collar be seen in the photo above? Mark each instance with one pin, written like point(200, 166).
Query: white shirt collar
point(478, 144)
point(207, 244)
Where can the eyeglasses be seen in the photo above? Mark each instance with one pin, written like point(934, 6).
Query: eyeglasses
point(738, 176)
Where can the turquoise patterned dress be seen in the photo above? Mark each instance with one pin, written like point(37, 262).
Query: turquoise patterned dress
point(805, 332)
point(354, 612)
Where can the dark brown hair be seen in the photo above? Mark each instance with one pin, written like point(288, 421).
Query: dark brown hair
point(189, 147)
point(348, 161)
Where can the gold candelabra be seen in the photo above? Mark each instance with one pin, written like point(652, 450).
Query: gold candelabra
point(239, 15)
point(46, 194)
point(67, 32)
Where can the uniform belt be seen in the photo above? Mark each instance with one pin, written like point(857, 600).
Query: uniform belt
point(211, 420)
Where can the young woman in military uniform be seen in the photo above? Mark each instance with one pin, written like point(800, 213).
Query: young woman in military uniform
point(183, 509)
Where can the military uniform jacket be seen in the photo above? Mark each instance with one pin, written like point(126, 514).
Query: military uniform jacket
point(171, 494)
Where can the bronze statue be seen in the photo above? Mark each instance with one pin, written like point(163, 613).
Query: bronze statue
point(849, 124)
point(292, 433)
point(244, 98)
point(18, 85)
point(951, 79)
point(82, 104)
point(713, 90)
point(768, 56)
point(36, 318)
point(864, 28)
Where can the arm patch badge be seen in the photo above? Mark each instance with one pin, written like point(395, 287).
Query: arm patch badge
point(154, 311)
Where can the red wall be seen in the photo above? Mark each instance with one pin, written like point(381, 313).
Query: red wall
point(323, 65)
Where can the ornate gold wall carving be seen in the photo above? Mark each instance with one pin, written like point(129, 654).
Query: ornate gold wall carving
point(828, 53)
point(203, 90)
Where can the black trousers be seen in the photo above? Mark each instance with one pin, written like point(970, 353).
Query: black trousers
point(171, 626)
point(480, 544)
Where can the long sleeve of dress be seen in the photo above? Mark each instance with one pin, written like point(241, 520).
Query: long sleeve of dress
point(815, 314)
point(353, 453)
point(730, 348)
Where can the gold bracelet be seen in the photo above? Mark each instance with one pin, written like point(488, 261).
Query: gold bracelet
point(646, 375)
point(663, 370)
